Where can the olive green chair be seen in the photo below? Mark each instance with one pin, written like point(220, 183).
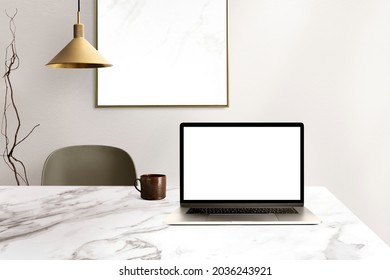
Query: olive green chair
point(89, 165)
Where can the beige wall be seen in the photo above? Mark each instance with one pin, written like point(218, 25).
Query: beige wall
point(325, 63)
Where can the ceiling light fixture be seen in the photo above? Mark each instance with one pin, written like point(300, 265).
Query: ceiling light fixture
point(79, 53)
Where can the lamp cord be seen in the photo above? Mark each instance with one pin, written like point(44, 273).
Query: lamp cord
point(78, 13)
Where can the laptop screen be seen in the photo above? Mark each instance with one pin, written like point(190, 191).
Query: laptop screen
point(241, 162)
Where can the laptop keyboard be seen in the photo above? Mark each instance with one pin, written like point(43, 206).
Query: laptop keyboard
point(209, 211)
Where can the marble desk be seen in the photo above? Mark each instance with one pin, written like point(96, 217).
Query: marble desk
point(114, 223)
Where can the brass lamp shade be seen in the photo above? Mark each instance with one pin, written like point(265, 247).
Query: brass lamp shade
point(79, 53)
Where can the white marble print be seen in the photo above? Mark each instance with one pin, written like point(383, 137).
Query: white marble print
point(164, 52)
point(63, 223)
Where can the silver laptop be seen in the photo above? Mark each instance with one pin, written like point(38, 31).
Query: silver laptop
point(242, 173)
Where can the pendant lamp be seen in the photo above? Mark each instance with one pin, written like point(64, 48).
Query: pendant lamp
point(79, 53)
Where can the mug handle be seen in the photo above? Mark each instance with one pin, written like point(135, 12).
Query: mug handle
point(135, 184)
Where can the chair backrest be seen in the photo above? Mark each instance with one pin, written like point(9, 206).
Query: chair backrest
point(89, 165)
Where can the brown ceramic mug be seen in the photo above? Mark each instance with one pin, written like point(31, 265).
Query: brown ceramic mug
point(153, 186)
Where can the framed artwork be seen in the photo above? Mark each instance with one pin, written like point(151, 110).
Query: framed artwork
point(165, 53)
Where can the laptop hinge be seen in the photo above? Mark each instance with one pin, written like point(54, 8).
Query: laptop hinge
point(239, 205)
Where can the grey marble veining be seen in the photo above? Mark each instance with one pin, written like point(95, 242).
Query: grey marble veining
point(114, 223)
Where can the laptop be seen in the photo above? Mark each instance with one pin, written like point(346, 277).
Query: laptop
point(242, 173)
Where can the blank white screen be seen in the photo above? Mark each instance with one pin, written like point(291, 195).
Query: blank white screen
point(241, 163)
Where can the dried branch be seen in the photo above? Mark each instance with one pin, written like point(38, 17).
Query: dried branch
point(11, 64)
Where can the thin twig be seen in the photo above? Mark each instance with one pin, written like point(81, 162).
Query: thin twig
point(11, 64)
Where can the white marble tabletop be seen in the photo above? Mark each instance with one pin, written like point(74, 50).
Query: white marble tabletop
point(115, 223)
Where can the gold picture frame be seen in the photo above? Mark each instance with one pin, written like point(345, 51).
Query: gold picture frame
point(166, 53)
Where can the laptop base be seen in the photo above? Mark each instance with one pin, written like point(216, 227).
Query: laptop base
point(304, 217)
